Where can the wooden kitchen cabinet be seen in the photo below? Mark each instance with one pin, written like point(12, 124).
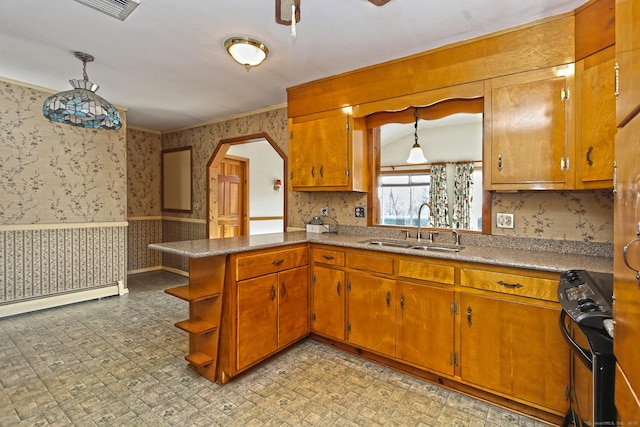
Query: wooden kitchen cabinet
point(627, 60)
point(529, 119)
point(626, 287)
point(328, 302)
point(595, 121)
point(327, 152)
point(425, 326)
point(510, 338)
point(272, 313)
point(371, 312)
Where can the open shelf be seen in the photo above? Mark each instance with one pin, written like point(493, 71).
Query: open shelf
point(196, 326)
point(199, 359)
point(192, 293)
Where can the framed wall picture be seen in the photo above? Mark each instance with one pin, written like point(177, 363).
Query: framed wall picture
point(177, 181)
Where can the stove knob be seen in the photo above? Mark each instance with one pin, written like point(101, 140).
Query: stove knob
point(589, 307)
point(585, 300)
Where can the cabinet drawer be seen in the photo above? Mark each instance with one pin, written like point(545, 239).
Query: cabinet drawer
point(372, 263)
point(327, 256)
point(271, 262)
point(514, 284)
point(426, 271)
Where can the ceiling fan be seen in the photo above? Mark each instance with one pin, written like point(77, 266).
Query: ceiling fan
point(286, 9)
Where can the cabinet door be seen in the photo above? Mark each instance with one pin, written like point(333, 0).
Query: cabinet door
point(628, 58)
point(328, 302)
point(540, 356)
point(319, 154)
point(257, 319)
point(514, 348)
point(293, 306)
point(597, 128)
point(485, 357)
point(302, 153)
point(371, 313)
point(626, 221)
point(529, 130)
point(425, 322)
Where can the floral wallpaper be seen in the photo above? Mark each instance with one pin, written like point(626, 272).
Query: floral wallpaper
point(54, 173)
point(143, 173)
point(559, 215)
point(63, 204)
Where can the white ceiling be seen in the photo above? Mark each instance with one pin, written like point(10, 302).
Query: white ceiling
point(167, 65)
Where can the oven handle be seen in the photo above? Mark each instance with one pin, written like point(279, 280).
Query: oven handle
point(583, 353)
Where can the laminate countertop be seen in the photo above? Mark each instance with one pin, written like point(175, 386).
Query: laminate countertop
point(494, 255)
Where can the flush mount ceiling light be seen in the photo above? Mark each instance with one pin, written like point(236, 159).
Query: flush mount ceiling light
point(81, 106)
point(246, 51)
point(118, 9)
point(416, 155)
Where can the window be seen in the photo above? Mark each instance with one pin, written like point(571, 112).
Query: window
point(400, 197)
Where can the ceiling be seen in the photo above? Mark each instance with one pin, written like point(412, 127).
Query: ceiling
point(167, 65)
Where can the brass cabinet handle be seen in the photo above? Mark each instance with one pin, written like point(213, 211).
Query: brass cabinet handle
point(499, 162)
point(469, 315)
point(273, 292)
point(388, 299)
point(313, 171)
point(509, 285)
point(338, 287)
point(402, 301)
point(328, 257)
point(277, 262)
point(283, 290)
point(589, 161)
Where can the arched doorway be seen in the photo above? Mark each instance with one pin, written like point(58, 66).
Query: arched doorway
point(242, 195)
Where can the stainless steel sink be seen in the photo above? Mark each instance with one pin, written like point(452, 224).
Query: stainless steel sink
point(436, 247)
point(390, 243)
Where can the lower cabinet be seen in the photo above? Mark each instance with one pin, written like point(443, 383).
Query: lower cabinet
point(272, 313)
point(514, 348)
point(328, 302)
point(425, 326)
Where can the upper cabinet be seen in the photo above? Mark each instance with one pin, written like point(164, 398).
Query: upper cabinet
point(595, 120)
point(628, 60)
point(327, 152)
point(529, 130)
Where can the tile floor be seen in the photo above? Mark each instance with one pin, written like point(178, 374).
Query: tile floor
point(119, 362)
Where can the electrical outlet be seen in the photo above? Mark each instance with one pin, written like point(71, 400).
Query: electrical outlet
point(324, 211)
point(504, 220)
point(360, 212)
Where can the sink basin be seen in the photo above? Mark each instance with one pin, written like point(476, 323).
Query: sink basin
point(436, 247)
point(390, 243)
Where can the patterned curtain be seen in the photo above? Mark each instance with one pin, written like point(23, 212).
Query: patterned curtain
point(462, 197)
point(438, 197)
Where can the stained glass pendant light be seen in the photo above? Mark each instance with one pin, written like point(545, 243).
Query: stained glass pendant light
point(81, 106)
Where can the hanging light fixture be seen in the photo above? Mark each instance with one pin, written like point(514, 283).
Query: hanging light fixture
point(81, 106)
point(246, 51)
point(416, 155)
point(288, 13)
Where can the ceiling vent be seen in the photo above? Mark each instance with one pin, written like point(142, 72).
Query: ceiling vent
point(116, 8)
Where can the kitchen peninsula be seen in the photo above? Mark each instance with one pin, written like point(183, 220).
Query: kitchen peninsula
point(483, 321)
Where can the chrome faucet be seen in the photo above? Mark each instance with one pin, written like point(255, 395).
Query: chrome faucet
point(456, 234)
point(419, 236)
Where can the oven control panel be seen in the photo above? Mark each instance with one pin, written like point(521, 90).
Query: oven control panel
point(586, 296)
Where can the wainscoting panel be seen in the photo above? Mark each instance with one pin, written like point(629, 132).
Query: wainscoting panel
point(38, 261)
point(175, 230)
point(143, 231)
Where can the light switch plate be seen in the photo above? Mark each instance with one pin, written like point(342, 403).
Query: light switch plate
point(504, 220)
